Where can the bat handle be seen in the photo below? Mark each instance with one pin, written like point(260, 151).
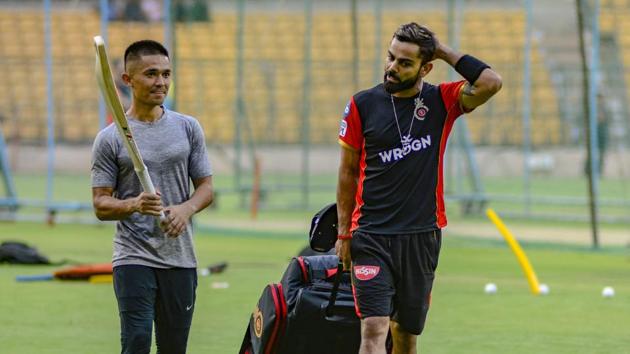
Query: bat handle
point(147, 185)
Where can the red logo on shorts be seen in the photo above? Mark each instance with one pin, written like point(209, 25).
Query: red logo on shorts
point(366, 272)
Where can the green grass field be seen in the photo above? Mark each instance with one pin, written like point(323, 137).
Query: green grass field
point(78, 317)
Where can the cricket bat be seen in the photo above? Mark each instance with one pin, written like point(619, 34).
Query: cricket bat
point(106, 84)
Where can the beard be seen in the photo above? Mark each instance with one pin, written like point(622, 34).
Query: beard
point(394, 87)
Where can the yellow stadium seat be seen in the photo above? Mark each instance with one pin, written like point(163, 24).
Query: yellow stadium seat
point(273, 72)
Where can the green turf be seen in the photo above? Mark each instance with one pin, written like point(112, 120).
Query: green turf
point(76, 317)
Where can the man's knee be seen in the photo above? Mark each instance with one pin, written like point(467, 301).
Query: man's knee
point(375, 326)
point(136, 341)
point(404, 342)
point(136, 329)
point(374, 334)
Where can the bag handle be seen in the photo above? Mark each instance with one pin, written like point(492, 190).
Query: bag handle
point(335, 289)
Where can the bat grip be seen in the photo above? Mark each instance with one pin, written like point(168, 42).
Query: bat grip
point(147, 185)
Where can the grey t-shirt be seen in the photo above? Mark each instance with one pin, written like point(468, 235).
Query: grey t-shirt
point(173, 149)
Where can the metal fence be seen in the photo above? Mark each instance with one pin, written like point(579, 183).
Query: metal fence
point(268, 81)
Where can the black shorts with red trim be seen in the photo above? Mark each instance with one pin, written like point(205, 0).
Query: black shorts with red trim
point(392, 275)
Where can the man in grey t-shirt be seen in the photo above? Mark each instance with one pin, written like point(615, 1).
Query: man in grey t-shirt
point(154, 262)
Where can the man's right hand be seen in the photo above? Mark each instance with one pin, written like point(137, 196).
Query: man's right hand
point(148, 204)
point(342, 247)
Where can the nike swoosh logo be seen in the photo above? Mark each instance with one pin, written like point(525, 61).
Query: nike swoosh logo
point(189, 307)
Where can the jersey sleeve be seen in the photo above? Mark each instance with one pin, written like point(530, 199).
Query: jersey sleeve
point(350, 129)
point(198, 160)
point(450, 92)
point(104, 169)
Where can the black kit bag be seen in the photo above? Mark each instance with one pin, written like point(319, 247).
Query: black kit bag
point(311, 311)
point(16, 252)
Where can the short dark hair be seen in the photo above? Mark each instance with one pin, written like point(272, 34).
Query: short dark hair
point(144, 47)
point(420, 35)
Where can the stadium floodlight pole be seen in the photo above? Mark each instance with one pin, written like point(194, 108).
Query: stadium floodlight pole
point(238, 102)
point(354, 21)
point(586, 109)
point(452, 155)
point(378, 55)
point(168, 25)
point(305, 132)
point(104, 11)
point(7, 177)
point(592, 119)
point(170, 39)
point(527, 106)
point(108, 90)
point(50, 108)
point(464, 145)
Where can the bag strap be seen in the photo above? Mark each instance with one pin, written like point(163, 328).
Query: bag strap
point(335, 289)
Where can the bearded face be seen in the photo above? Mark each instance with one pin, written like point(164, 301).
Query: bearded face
point(393, 84)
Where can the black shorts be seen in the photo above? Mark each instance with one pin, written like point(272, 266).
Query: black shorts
point(146, 295)
point(392, 275)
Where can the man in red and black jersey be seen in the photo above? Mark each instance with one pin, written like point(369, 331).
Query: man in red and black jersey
point(390, 191)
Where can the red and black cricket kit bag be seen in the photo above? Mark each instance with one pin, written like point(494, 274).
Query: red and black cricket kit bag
point(311, 311)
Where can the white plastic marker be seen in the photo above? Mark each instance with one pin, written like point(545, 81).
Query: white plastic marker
point(105, 81)
point(608, 291)
point(490, 288)
point(543, 289)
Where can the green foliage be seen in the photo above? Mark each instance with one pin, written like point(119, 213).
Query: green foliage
point(77, 317)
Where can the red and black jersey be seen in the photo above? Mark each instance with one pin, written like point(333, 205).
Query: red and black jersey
point(400, 180)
